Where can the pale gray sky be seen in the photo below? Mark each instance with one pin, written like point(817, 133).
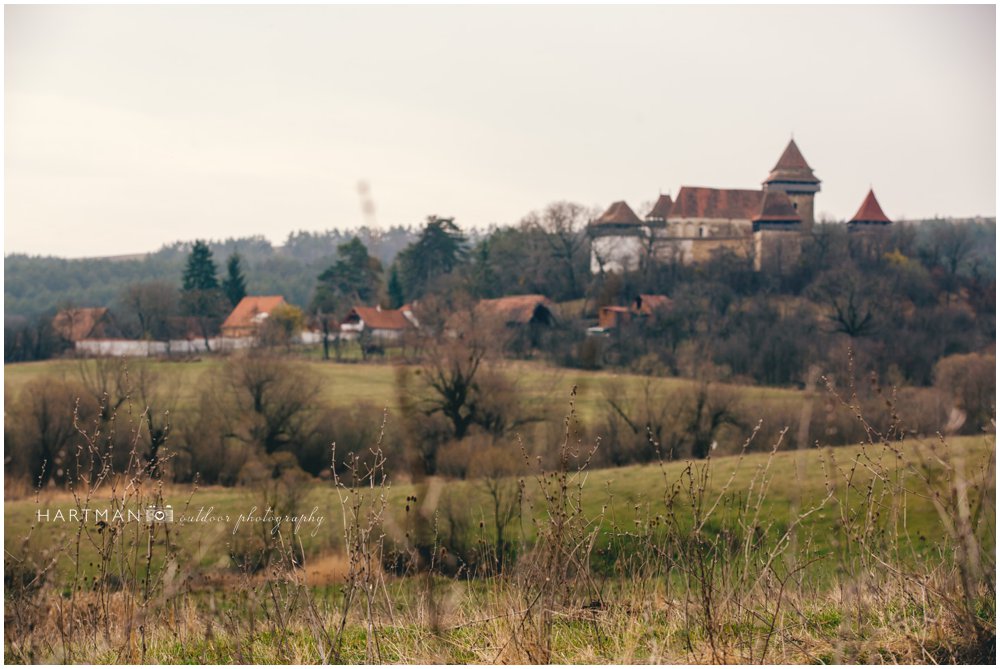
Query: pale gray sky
point(129, 127)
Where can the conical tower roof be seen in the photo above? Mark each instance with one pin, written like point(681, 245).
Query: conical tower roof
point(661, 210)
point(792, 167)
point(619, 213)
point(870, 212)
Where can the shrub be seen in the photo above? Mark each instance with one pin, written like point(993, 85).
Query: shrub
point(969, 381)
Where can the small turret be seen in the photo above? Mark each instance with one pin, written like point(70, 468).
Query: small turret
point(869, 213)
point(661, 210)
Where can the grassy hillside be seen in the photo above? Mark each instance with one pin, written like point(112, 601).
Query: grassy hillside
point(788, 482)
point(875, 552)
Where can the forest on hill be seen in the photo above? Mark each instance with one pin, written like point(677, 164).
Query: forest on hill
point(40, 285)
point(35, 285)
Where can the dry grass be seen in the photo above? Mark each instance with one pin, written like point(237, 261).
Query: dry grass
point(712, 562)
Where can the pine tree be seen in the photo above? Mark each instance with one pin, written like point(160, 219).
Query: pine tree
point(234, 285)
point(201, 296)
point(355, 274)
point(395, 289)
point(200, 271)
point(440, 249)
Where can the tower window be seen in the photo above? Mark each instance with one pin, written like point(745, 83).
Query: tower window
point(795, 205)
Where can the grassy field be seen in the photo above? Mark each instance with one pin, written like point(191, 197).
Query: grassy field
point(609, 497)
point(348, 383)
point(877, 552)
point(841, 513)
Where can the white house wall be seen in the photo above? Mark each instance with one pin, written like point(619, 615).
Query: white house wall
point(132, 348)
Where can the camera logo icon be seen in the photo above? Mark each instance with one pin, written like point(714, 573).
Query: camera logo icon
point(159, 514)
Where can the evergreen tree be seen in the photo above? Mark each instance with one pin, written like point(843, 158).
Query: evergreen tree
point(353, 277)
point(234, 285)
point(355, 274)
point(439, 250)
point(201, 297)
point(199, 274)
point(395, 289)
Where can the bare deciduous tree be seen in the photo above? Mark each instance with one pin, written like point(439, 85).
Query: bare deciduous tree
point(46, 414)
point(153, 304)
point(271, 399)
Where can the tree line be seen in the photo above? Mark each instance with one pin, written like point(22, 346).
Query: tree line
point(900, 301)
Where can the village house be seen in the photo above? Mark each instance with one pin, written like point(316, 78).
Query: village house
point(379, 323)
point(517, 320)
point(94, 333)
point(643, 307)
point(249, 315)
point(767, 224)
point(80, 323)
point(517, 310)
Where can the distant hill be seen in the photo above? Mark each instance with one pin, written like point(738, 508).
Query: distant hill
point(36, 285)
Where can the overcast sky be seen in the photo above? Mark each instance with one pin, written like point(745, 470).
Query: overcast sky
point(130, 127)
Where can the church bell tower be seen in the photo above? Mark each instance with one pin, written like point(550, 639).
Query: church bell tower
point(793, 176)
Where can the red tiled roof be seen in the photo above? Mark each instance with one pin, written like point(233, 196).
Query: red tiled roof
point(247, 312)
point(661, 209)
point(518, 309)
point(792, 166)
point(647, 304)
point(618, 213)
point(870, 211)
point(376, 318)
point(79, 323)
point(778, 208)
point(721, 203)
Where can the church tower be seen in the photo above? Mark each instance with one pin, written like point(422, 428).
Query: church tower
point(793, 176)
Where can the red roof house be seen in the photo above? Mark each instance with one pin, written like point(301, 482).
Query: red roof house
point(249, 315)
point(79, 323)
point(378, 322)
point(642, 307)
point(519, 309)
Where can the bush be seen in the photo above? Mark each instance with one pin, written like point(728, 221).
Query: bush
point(969, 382)
point(43, 420)
point(353, 429)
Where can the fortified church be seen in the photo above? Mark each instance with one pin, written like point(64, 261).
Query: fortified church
point(767, 225)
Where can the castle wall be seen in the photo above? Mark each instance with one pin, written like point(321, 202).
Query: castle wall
point(693, 251)
point(700, 228)
point(776, 251)
point(617, 253)
point(803, 203)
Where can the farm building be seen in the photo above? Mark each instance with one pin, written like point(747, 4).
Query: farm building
point(518, 310)
point(77, 324)
point(518, 321)
point(642, 307)
point(385, 324)
point(249, 315)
